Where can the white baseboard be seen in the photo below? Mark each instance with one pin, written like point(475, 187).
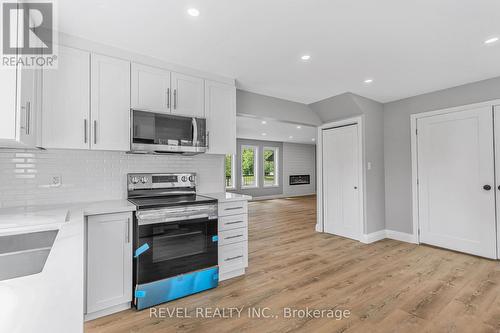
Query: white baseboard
point(318, 228)
point(401, 236)
point(280, 196)
point(373, 237)
point(108, 311)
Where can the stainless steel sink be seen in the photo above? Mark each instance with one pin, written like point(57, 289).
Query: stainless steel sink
point(24, 254)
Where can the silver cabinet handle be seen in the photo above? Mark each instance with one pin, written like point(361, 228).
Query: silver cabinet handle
point(234, 222)
point(231, 237)
point(175, 99)
point(233, 258)
point(233, 208)
point(95, 132)
point(168, 98)
point(85, 131)
point(128, 230)
point(28, 118)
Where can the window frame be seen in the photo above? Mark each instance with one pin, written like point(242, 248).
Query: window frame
point(276, 167)
point(233, 172)
point(255, 166)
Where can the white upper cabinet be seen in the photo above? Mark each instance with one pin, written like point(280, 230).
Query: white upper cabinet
point(66, 101)
point(150, 88)
point(187, 95)
point(19, 105)
point(110, 103)
point(220, 110)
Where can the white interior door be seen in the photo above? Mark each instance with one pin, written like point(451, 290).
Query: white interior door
point(456, 197)
point(342, 198)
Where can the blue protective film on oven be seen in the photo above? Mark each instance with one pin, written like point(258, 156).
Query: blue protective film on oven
point(162, 291)
point(141, 250)
point(215, 238)
point(140, 294)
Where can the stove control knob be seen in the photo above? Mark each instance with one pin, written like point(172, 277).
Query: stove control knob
point(184, 179)
point(191, 178)
point(144, 180)
point(134, 180)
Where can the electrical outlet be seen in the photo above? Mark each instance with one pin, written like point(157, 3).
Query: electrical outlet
point(55, 181)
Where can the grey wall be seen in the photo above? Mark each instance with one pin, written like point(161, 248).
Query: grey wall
point(261, 190)
point(300, 159)
point(261, 106)
point(398, 196)
point(350, 105)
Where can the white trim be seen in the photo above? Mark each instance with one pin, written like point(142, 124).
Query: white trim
point(414, 156)
point(373, 237)
point(390, 234)
point(280, 196)
point(362, 171)
point(107, 311)
point(401, 236)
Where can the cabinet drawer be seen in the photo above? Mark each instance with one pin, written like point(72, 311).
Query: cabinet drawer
point(233, 222)
point(233, 256)
point(233, 236)
point(232, 208)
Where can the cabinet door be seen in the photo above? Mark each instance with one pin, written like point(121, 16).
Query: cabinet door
point(187, 95)
point(28, 105)
point(8, 121)
point(66, 101)
point(220, 110)
point(110, 109)
point(150, 88)
point(109, 261)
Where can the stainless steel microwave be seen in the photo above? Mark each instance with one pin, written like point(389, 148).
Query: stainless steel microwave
point(161, 133)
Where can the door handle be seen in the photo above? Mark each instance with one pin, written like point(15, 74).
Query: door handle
point(28, 118)
point(85, 130)
point(168, 98)
point(487, 187)
point(95, 132)
point(175, 99)
point(499, 187)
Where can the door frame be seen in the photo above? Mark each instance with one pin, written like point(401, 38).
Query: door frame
point(361, 171)
point(414, 155)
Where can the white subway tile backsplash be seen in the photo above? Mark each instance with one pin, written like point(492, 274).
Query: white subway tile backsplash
point(26, 175)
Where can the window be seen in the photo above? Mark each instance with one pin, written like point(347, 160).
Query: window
point(229, 171)
point(249, 166)
point(270, 167)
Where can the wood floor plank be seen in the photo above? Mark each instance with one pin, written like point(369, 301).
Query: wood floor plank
point(388, 286)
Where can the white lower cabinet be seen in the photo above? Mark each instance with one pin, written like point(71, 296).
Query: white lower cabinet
point(233, 239)
point(109, 264)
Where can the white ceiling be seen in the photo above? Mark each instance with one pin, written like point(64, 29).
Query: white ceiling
point(253, 128)
point(408, 47)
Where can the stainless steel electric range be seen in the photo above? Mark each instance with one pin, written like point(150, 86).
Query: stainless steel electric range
point(175, 238)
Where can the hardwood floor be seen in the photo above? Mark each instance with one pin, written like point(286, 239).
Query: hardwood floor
point(387, 286)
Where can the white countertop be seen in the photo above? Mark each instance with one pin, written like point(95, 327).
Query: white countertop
point(52, 300)
point(227, 196)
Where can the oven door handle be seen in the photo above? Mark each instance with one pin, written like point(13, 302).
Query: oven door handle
point(159, 220)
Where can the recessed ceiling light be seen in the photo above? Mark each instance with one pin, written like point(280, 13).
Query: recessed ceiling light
point(193, 12)
point(264, 134)
point(305, 57)
point(290, 137)
point(491, 40)
point(299, 127)
point(263, 122)
point(368, 81)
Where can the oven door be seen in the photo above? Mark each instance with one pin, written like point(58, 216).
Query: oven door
point(175, 247)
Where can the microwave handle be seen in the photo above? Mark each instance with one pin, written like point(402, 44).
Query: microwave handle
point(195, 132)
